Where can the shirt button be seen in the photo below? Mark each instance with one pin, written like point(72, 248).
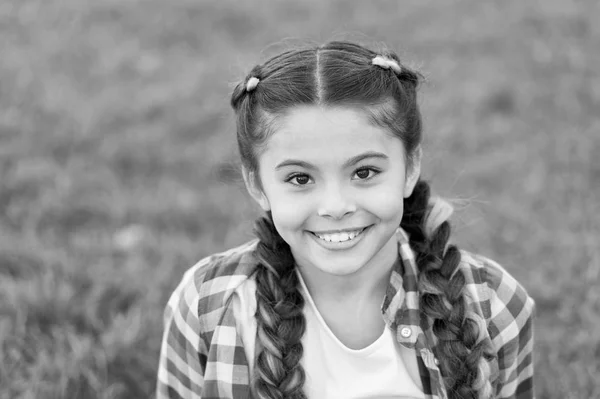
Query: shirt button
point(405, 332)
point(437, 362)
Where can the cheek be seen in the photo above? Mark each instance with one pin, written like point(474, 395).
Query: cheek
point(289, 212)
point(386, 203)
point(283, 205)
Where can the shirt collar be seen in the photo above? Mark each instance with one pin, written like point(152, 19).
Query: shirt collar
point(400, 307)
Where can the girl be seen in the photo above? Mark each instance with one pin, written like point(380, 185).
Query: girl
point(351, 289)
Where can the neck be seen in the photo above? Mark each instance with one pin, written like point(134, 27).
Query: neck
point(369, 282)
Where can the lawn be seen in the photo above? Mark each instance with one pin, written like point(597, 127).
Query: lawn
point(118, 165)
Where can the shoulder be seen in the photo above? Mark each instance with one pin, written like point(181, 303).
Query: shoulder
point(504, 302)
point(492, 281)
point(208, 286)
point(224, 271)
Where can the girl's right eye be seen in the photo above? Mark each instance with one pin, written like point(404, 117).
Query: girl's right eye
point(298, 179)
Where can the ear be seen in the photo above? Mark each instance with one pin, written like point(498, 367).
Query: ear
point(255, 190)
point(413, 173)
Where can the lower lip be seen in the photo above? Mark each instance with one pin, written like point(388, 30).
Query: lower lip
point(342, 245)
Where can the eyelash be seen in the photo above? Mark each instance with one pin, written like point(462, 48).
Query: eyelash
point(368, 168)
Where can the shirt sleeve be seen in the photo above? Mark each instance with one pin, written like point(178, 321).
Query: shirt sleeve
point(511, 331)
point(183, 352)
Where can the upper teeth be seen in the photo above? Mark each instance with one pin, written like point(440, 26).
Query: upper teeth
point(339, 237)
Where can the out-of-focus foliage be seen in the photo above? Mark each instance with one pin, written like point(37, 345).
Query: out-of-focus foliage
point(117, 145)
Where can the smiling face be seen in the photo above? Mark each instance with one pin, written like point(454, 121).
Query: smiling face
point(335, 184)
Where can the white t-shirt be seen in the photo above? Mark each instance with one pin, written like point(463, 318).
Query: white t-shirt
point(384, 369)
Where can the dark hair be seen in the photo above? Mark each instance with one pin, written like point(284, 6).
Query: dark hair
point(343, 74)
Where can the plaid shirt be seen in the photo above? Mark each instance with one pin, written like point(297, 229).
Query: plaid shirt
point(202, 355)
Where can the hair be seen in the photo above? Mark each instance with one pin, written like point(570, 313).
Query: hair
point(343, 74)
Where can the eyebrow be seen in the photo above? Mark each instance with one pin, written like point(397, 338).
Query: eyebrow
point(352, 161)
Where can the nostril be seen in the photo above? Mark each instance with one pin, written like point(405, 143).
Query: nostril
point(336, 213)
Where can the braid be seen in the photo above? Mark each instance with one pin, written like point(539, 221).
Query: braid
point(462, 361)
point(280, 320)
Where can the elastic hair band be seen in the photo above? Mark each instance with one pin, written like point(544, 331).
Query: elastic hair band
point(439, 211)
point(252, 83)
point(387, 63)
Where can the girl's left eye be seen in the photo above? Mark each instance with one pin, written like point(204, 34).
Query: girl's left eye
point(366, 173)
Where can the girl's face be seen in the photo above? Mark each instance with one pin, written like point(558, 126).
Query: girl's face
point(335, 184)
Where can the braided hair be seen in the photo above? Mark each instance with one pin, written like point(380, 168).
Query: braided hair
point(280, 320)
point(459, 350)
point(347, 74)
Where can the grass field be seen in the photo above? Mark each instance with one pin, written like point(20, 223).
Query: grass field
point(117, 153)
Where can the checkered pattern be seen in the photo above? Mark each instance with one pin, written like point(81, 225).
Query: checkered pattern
point(202, 355)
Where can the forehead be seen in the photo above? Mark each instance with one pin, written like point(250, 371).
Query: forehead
point(328, 135)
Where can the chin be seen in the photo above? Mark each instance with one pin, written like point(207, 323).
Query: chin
point(342, 269)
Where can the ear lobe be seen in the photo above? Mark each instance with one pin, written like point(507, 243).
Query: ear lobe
point(413, 173)
point(253, 187)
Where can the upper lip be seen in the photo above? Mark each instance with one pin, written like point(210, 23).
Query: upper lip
point(340, 230)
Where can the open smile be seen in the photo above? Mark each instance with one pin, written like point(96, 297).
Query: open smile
point(339, 235)
point(339, 239)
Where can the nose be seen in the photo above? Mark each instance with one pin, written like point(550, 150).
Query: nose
point(335, 203)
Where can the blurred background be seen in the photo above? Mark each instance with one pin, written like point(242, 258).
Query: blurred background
point(118, 165)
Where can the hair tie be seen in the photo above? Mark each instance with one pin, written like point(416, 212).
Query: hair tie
point(387, 63)
point(440, 210)
point(252, 83)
